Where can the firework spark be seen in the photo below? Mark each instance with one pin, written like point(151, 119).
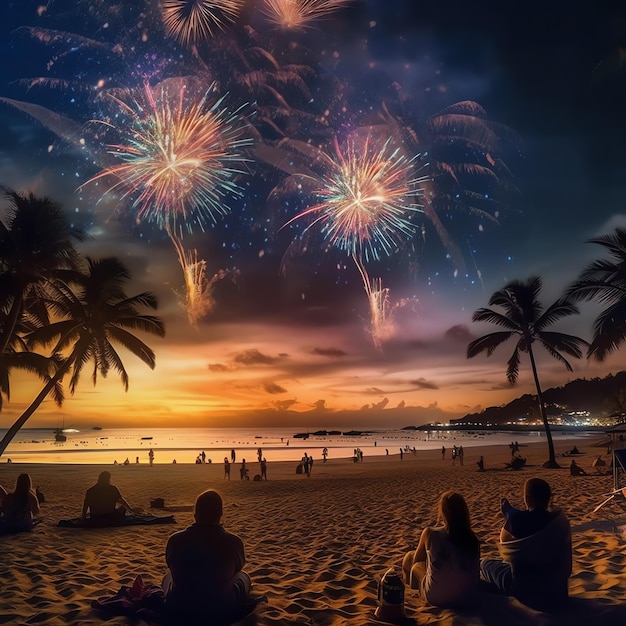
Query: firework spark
point(293, 14)
point(192, 21)
point(178, 153)
point(366, 200)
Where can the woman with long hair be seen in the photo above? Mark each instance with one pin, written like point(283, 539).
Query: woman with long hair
point(19, 508)
point(445, 567)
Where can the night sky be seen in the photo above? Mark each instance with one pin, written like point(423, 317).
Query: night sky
point(287, 341)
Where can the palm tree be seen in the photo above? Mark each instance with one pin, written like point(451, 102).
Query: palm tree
point(604, 280)
point(18, 356)
point(525, 317)
point(36, 244)
point(93, 314)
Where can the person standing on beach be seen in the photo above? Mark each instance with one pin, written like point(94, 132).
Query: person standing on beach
point(445, 565)
point(243, 470)
point(454, 453)
point(205, 576)
point(461, 455)
point(233, 456)
point(151, 457)
point(443, 453)
point(226, 468)
point(536, 544)
point(263, 465)
point(401, 454)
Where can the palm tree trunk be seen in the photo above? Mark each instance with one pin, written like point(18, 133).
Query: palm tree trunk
point(34, 405)
point(552, 457)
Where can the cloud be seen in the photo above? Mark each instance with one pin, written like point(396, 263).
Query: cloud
point(381, 405)
point(254, 357)
point(284, 405)
point(320, 405)
point(460, 333)
point(217, 367)
point(401, 404)
point(274, 388)
point(374, 390)
point(422, 383)
point(331, 352)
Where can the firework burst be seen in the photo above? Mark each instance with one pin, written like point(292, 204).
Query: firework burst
point(294, 14)
point(192, 21)
point(367, 197)
point(178, 154)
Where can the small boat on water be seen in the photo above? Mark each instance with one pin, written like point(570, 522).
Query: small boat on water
point(96, 428)
point(146, 438)
point(59, 436)
point(301, 436)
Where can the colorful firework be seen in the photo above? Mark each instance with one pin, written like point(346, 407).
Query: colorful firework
point(292, 14)
point(192, 21)
point(178, 156)
point(178, 153)
point(367, 198)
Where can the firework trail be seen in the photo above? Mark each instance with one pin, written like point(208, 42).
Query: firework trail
point(193, 21)
point(367, 197)
point(298, 14)
point(198, 299)
point(178, 154)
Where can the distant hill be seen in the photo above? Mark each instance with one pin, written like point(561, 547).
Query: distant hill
point(599, 396)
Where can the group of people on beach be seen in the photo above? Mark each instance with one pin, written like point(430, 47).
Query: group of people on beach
point(535, 543)
point(205, 562)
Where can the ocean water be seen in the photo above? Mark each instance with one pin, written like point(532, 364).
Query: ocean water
point(106, 446)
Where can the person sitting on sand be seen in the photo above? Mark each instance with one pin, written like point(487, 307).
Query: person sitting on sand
point(101, 500)
point(205, 564)
point(18, 509)
point(445, 565)
point(576, 470)
point(536, 545)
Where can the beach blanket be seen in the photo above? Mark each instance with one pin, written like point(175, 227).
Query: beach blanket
point(12, 530)
point(148, 601)
point(541, 564)
point(139, 600)
point(127, 520)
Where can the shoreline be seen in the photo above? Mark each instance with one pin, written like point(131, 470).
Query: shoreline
point(167, 447)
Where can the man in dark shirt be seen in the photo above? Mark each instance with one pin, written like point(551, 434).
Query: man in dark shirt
point(101, 500)
point(536, 545)
point(205, 565)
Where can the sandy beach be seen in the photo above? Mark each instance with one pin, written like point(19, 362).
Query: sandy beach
point(316, 547)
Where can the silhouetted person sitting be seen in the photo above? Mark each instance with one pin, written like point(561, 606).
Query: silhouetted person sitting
point(18, 509)
point(205, 564)
point(536, 545)
point(576, 470)
point(99, 506)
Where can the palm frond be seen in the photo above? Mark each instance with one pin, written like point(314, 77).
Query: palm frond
point(512, 368)
point(609, 331)
point(494, 317)
point(134, 345)
point(555, 312)
point(487, 343)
